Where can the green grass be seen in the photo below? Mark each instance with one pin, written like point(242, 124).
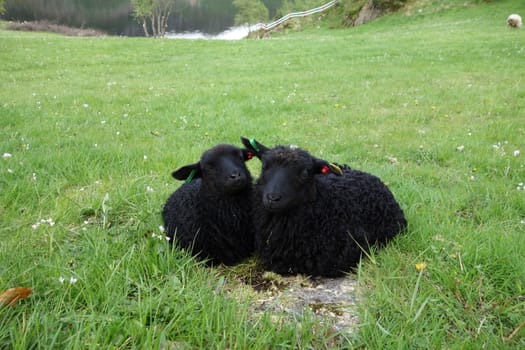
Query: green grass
point(96, 125)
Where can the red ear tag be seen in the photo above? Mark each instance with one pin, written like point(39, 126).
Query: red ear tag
point(249, 155)
point(325, 169)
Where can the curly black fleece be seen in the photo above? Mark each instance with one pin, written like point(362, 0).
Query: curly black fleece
point(325, 235)
point(215, 227)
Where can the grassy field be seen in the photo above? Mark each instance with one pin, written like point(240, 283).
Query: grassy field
point(431, 100)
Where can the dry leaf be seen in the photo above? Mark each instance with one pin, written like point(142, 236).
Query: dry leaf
point(12, 295)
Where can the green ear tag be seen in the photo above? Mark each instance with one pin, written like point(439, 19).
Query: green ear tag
point(190, 176)
point(254, 145)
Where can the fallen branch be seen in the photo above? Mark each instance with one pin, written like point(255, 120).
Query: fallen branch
point(515, 331)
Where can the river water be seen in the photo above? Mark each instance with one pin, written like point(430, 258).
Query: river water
point(233, 33)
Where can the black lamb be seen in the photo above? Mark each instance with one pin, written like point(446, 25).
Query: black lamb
point(209, 215)
point(317, 218)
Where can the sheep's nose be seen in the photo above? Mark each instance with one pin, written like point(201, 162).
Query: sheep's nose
point(235, 175)
point(273, 197)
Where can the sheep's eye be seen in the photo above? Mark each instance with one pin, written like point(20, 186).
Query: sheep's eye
point(209, 165)
point(303, 175)
point(265, 166)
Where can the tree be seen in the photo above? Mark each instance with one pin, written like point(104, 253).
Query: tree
point(250, 12)
point(2, 8)
point(142, 11)
point(153, 14)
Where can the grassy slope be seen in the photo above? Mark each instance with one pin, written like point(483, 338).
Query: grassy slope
point(88, 117)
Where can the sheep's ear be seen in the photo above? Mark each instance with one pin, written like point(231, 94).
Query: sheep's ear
point(323, 167)
point(188, 172)
point(254, 146)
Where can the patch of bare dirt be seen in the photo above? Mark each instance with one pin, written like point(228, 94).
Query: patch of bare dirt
point(328, 298)
point(368, 13)
point(332, 300)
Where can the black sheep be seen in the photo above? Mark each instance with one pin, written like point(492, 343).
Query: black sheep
point(317, 218)
point(210, 214)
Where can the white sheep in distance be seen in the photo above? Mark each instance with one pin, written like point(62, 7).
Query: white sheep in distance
point(514, 21)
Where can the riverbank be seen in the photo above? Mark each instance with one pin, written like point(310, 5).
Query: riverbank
point(49, 27)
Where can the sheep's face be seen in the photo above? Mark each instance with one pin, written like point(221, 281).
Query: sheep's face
point(221, 168)
point(288, 178)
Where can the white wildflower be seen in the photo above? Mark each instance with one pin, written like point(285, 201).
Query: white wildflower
point(49, 221)
point(61, 279)
point(516, 153)
point(154, 235)
point(7, 155)
point(160, 237)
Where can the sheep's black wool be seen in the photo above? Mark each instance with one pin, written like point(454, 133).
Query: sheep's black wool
point(317, 218)
point(210, 214)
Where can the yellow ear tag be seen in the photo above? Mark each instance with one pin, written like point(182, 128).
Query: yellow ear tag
point(336, 168)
